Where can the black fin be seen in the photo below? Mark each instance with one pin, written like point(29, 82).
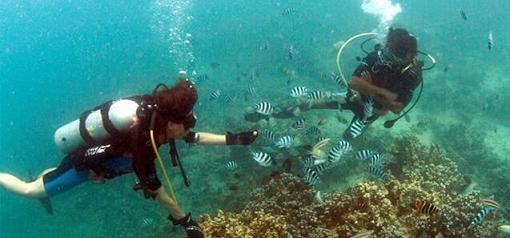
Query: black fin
point(46, 203)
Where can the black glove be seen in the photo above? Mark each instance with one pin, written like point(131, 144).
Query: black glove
point(192, 228)
point(147, 193)
point(243, 138)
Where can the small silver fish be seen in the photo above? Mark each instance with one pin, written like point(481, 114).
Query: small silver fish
point(264, 108)
point(490, 41)
point(504, 228)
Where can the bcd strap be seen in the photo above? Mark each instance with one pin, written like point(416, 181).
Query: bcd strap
point(84, 133)
point(107, 123)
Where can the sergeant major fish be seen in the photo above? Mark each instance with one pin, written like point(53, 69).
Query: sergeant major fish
point(480, 217)
point(285, 142)
point(262, 158)
point(231, 165)
point(264, 108)
point(298, 91)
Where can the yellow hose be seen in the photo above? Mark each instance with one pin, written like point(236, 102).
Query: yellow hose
point(161, 165)
point(342, 48)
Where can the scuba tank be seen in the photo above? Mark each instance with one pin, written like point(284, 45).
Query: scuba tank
point(97, 125)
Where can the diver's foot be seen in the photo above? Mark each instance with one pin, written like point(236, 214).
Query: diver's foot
point(192, 228)
point(46, 203)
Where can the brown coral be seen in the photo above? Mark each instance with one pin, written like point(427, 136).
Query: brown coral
point(416, 171)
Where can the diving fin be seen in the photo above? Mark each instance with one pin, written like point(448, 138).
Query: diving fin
point(45, 201)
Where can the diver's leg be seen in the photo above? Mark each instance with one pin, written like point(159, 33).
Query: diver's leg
point(34, 189)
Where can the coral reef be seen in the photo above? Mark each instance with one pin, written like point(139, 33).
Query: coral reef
point(416, 171)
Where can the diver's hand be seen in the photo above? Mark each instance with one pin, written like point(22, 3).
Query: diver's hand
point(147, 193)
point(243, 138)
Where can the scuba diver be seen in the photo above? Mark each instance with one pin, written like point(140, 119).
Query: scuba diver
point(123, 136)
point(384, 81)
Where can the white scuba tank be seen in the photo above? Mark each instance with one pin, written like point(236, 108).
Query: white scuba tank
point(121, 113)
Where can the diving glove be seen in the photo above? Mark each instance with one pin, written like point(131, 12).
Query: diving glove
point(243, 138)
point(147, 193)
point(192, 228)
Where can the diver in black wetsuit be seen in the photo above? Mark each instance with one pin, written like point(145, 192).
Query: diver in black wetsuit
point(384, 81)
point(120, 142)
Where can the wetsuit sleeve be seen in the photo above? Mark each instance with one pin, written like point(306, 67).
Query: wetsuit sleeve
point(410, 81)
point(143, 160)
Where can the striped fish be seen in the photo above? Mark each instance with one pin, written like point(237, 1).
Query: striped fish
point(320, 168)
point(231, 165)
point(214, 95)
point(424, 207)
point(299, 123)
point(344, 145)
point(269, 135)
point(311, 176)
point(316, 95)
point(285, 142)
point(356, 128)
point(377, 172)
point(375, 160)
point(365, 154)
point(264, 108)
point(201, 78)
point(368, 109)
point(480, 217)
point(337, 79)
point(228, 99)
point(315, 131)
point(298, 91)
point(335, 154)
point(308, 161)
point(262, 158)
point(490, 202)
point(321, 138)
point(252, 91)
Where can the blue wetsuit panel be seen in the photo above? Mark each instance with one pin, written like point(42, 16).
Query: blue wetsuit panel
point(72, 177)
point(65, 181)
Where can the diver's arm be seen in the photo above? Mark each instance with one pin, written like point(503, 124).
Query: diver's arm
point(383, 96)
point(205, 138)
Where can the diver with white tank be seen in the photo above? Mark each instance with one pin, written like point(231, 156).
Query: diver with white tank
point(123, 136)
